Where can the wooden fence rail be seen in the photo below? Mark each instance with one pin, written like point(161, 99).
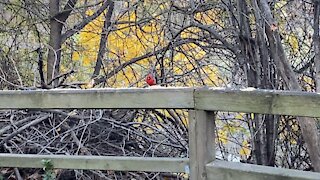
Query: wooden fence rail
point(201, 103)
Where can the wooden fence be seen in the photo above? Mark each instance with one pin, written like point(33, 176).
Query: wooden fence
point(201, 102)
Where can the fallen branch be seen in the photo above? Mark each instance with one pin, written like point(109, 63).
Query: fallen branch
point(32, 123)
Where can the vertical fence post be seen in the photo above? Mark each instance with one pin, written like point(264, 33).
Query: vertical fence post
point(201, 142)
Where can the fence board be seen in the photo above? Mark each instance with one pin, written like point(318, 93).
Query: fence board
point(258, 101)
point(150, 164)
point(203, 99)
point(202, 142)
point(181, 98)
point(218, 170)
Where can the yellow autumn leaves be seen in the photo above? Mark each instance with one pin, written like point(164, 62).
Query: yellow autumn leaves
point(132, 39)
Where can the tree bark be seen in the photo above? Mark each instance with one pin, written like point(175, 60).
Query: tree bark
point(57, 19)
point(308, 125)
point(257, 66)
point(267, 81)
point(103, 40)
point(316, 44)
point(55, 40)
point(250, 67)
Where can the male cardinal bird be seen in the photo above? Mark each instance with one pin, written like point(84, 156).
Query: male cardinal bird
point(151, 80)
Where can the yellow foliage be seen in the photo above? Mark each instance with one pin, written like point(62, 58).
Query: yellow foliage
point(183, 118)
point(76, 56)
point(239, 116)
point(139, 120)
point(148, 130)
point(295, 128)
point(131, 41)
point(252, 115)
point(245, 149)
point(124, 44)
point(209, 73)
point(88, 42)
point(293, 42)
point(212, 16)
point(162, 6)
point(280, 4)
point(223, 136)
point(190, 33)
point(212, 75)
point(158, 126)
point(283, 135)
point(293, 141)
point(308, 83)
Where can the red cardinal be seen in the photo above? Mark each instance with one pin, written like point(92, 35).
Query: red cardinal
point(151, 80)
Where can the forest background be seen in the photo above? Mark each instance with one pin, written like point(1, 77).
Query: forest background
point(116, 43)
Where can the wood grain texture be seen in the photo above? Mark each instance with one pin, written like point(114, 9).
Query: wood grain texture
point(259, 101)
point(201, 142)
point(198, 100)
point(181, 98)
point(218, 170)
point(247, 100)
point(96, 162)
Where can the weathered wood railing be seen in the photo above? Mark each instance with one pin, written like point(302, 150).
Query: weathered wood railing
point(201, 102)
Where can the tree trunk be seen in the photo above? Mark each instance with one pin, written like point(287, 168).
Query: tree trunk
point(57, 19)
point(54, 42)
point(316, 44)
point(103, 41)
point(257, 66)
point(267, 82)
point(308, 125)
